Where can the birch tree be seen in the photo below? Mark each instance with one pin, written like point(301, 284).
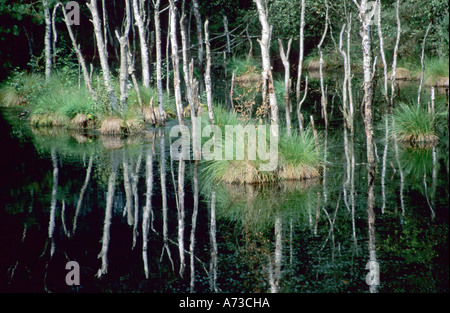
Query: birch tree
point(365, 17)
point(76, 47)
point(123, 41)
point(301, 53)
point(198, 21)
point(102, 52)
point(159, 82)
point(266, 74)
point(139, 18)
point(287, 82)
point(47, 40)
point(394, 60)
point(175, 61)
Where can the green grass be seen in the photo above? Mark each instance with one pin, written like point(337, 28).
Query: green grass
point(298, 156)
point(414, 124)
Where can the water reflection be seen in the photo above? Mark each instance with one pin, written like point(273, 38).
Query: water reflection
point(135, 220)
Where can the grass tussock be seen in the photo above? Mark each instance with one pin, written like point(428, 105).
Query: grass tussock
point(414, 124)
point(111, 126)
point(297, 157)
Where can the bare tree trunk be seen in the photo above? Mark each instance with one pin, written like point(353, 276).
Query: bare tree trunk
point(287, 83)
point(394, 60)
point(123, 41)
point(323, 99)
point(349, 74)
point(159, 82)
point(345, 82)
point(422, 66)
point(143, 44)
point(47, 40)
point(226, 33)
point(102, 52)
point(184, 44)
point(301, 52)
point(55, 33)
point(365, 17)
point(198, 21)
point(81, 61)
point(175, 61)
point(208, 75)
point(267, 69)
point(383, 57)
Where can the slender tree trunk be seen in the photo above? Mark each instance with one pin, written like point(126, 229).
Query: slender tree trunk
point(287, 83)
point(422, 66)
point(159, 81)
point(47, 40)
point(394, 60)
point(349, 75)
point(267, 68)
point(345, 82)
point(323, 98)
point(301, 52)
point(102, 52)
point(198, 21)
point(383, 57)
point(123, 41)
point(184, 49)
point(208, 75)
point(143, 44)
point(175, 61)
point(81, 61)
point(365, 17)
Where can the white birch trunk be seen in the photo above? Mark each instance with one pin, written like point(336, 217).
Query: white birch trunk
point(301, 51)
point(123, 42)
point(143, 44)
point(394, 60)
point(287, 83)
point(159, 81)
point(208, 75)
point(102, 52)
point(81, 60)
point(47, 40)
point(175, 61)
point(365, 17)
point(267, 68)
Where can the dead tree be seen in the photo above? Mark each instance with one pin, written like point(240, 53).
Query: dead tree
point(266, 74)
point(365, 17)
point(287, 83)
point(76, 47)
point(102, 53)
point(123, 41)
point(175, 61)
point(138, 16)
point(47, 40)
point(159, 82)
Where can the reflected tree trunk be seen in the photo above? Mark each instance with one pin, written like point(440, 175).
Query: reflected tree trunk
point(81, 196)
point(51, 225)
point(108, 216)
point(373, 266)
point(162, 165)
point(181, 213)
point(194, 226)
point(214, 251)
point(275, 268)
point(128, 209)
point(134, 187)
point(148, 212)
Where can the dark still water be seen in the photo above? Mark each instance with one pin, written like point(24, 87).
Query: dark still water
point(134, 220)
